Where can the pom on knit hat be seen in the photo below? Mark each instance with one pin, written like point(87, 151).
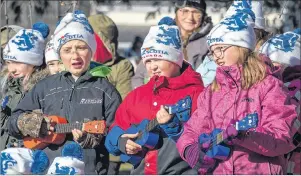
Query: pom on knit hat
point(41, 27)
point(50, 52)
point(259, 18)
point(27, 46)
point(284, 48)
point(163, 42)
point(74, 26)
point(71, 161)
point(23, 161)
point(236, 29)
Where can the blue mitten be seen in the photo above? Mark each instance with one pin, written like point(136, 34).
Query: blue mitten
point(111, 141)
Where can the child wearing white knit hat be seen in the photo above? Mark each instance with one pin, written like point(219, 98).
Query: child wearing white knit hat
point(208, 68)
point(23, 56)
point(52, 59)
point(74, 30)
point(242, 88)
point(284, 51)
point(16, 161)
point(70, 163)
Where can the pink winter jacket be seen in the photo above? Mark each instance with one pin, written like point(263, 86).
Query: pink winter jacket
point(262, 151)
point(291, 77)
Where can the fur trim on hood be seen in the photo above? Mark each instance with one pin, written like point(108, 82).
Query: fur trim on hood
point(26, 85)
point(35, 78)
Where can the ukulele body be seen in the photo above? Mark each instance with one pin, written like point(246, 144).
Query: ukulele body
point(220, 152)
point(53, 138)
point(147, 140)
point(216, 138)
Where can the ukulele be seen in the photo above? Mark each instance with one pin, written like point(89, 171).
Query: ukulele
point(61, 127)
point(221, 152)
point(149, 139)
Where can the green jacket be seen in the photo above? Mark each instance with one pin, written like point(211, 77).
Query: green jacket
point(14, 94)
point(121, 68)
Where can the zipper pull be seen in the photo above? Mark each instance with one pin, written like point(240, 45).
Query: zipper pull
point(72, 89)
point(62, 103)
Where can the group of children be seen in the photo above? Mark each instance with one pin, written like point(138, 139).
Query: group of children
point(253, 76)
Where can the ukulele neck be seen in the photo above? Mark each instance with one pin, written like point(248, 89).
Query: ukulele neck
point(68, 127)
point(152, 125)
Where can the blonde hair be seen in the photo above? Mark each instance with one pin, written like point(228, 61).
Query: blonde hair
point(253, 69)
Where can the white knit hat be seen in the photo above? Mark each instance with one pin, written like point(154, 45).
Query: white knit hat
point(74, 26)
point(27, 46)
point(259, 17)
point(163, 42)
point(50, 52)
point(284, 48)
point(70, 163)
point(23, 161)
point(256, 7)
point(236, 29)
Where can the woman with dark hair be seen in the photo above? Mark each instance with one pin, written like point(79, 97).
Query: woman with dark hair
point(194, 25)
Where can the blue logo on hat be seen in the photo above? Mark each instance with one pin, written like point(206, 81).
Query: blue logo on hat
point(68, 37)
point(26, 41)
point(83, 20)
point(214, 40)
point(8, 57)
point(170, 37)
point(6, 162)
point(64, 170)
point(236, 22)
point(285, 42)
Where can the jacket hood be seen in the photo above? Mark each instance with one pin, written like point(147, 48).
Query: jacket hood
point(107, 32)
point(35, 78)
point(203, 30)
point(286, 74)
point(188, 77)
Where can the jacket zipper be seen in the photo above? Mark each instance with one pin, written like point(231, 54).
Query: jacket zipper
point(72, 90)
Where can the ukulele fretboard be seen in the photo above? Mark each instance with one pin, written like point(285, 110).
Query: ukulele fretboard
point(152, 125)
point(68, 127)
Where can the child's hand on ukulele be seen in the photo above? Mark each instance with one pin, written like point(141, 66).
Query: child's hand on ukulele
point(163, 116)
point(131, 147)
point(77, 134)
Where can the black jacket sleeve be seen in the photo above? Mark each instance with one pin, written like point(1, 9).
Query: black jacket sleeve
point(31, 101)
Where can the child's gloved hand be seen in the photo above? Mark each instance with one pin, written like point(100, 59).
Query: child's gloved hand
point(205, 141)
point(230, 132)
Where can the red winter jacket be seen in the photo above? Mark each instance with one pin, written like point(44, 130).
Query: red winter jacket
point(144, 102)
